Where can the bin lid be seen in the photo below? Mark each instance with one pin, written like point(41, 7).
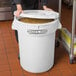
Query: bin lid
point(39, 14)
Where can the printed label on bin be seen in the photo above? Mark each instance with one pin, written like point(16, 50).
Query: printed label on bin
point(42, 31)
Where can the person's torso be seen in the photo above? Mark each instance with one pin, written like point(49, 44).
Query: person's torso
point(29, 3)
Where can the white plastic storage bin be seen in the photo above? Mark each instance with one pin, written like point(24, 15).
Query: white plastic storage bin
point(37, 41)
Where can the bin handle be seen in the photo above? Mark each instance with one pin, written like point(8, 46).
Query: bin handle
point(40, 31)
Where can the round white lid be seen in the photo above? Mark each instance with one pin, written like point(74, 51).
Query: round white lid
point(39, 14)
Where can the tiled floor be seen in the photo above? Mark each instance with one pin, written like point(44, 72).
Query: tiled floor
point(9, 63)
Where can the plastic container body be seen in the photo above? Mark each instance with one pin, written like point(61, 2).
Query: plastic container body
point(36, 45)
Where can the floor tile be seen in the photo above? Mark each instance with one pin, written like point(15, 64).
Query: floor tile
point(55, 72)
point(28, 73)
point(17, 73)
point(4, 68)
point(5, 73)
point(43, 74)
point(67, 72)
point(15, 66)
point(3, 60)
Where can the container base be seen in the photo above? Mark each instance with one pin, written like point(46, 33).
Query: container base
point(34, 71)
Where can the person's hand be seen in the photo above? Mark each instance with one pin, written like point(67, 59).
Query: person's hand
point(19, 10)
point(46, 8)
point(17, 13)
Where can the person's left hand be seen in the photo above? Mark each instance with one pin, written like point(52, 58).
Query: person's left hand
point(46, 8)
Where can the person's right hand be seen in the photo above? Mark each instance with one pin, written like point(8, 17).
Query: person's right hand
point(17, 13)
point(19, 10)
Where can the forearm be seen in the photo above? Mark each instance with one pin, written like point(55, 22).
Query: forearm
point(19, 9)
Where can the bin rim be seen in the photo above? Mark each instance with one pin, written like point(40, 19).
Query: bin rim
point(39, 14)
point(34, 24)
